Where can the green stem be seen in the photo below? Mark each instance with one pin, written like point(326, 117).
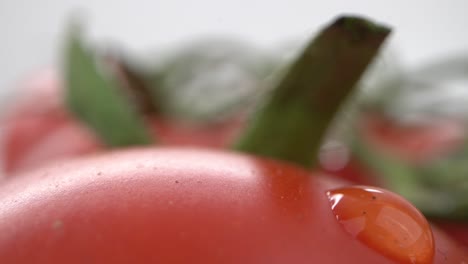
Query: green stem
point(293, 121)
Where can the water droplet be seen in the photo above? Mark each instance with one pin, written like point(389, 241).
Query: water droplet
point(384, 222)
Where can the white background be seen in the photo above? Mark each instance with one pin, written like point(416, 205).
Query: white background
point(30, 30)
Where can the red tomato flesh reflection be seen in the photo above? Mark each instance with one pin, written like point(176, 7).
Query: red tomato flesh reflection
point(385, 222)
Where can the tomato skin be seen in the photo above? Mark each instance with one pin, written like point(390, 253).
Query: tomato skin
point(176, 206)
point(448, 250)
point(457, 230)
point(33, 141)
point(37, 128)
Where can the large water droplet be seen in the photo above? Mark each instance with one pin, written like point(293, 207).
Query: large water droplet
point(384, 222)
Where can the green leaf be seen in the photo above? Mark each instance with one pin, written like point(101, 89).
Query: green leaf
point(293, 121)
point(97, 100)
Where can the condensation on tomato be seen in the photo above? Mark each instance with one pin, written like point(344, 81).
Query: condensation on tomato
point(385, 222)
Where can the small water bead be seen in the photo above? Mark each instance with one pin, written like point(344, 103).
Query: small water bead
point(385, 222)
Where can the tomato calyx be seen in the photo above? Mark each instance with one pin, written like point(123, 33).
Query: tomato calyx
point(94, 98)
point(133, 84)
point(293, 121)
point(290, 124)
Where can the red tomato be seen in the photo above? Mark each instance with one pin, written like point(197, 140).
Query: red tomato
point(457, 230)
point(413, 142)
point(37, 129)
point(199, 206)
point(416, 143)
point(39, 94)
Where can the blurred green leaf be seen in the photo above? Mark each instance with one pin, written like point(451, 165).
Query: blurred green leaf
point(96, 99)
